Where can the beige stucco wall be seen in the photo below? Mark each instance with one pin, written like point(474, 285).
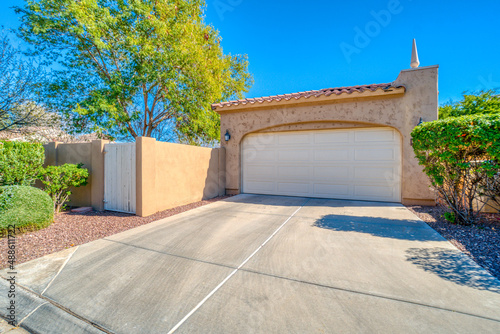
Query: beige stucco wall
point(169, 175)
point(401, 112)
point(92, 157)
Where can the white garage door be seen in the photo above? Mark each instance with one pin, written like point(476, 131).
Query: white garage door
point(360, 164)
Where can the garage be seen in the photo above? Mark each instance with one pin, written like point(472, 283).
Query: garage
point(357, 164)
point(349, 142)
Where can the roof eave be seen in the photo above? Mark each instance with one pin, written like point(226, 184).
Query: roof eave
point(390, 92)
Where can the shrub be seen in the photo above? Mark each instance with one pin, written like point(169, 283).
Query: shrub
point(58, 181)
point(459, 154)
point(27, 208)
point(20, 162)
point(489, 189)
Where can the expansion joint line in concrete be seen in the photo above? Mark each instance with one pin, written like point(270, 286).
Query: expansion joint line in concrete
point(369, 294)
point(62, 308)
point(29, 314)
point(200, 304)
point(169, 254)
point(60, 269)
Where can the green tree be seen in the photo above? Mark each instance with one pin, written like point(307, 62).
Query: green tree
point(129, 68)
point(483, 102)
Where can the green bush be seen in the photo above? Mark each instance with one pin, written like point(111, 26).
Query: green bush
point(20, 162)
point(27, 208)
point(458, 155)
point(58, 181)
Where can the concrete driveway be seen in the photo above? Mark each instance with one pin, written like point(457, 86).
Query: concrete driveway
point(262, 264)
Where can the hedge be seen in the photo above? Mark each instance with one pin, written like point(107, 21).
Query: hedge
point(20, 162)
point(27, 208)
point(458, 155)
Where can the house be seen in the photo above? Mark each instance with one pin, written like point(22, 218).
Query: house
point(344, 143)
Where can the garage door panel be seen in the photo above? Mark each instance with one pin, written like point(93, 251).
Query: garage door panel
point(299, 188)
point(375, 173)
point(294, 172)
point(295, 155)
point(330, 173)
point(259, 155)
point(259, 171)
point(332, 155)
point(261, 186)
point(373, 192)
point(363, 164)
point(293, 139)
point(374, 136)
point(375, 154)
point(331, 190)
point(330, 138)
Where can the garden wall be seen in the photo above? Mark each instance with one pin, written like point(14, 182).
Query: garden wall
point(92, 157)
point(169, 175)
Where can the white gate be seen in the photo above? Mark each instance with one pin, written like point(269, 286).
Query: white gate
point(119, 177)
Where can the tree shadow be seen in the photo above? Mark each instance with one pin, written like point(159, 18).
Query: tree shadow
point(413, 230)
point(453, 266)
point(449, 264)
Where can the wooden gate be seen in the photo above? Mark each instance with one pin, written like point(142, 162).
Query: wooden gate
point(119, 177)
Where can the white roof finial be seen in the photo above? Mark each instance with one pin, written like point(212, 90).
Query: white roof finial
point(414, 55)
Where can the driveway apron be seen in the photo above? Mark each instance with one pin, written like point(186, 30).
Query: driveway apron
point(262, 264)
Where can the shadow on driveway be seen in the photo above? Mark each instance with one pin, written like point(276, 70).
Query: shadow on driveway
point(454, 266)
point(380, 227)
point(449, 264)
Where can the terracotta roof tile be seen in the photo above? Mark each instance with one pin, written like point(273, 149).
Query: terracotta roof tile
point(306, 94)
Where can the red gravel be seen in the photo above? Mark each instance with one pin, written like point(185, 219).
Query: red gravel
point(72, 229)
point(480, 241)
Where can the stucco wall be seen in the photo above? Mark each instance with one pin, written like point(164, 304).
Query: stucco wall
point(169, 175)
point(401, 112)
point(92, 157)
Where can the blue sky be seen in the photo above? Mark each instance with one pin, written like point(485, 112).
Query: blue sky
point(303, 45)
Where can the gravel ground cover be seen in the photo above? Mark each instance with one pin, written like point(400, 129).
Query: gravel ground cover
point(480, 241)
point(71, 229)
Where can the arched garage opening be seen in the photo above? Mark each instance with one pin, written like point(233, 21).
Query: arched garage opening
point(354, 163)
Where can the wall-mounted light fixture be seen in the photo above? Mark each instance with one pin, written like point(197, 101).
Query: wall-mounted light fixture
point(227, 136)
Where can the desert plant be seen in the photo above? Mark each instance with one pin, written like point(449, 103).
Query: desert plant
point(24, 209)
point(459, 154)
point(20, 162)
point(58, 182)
